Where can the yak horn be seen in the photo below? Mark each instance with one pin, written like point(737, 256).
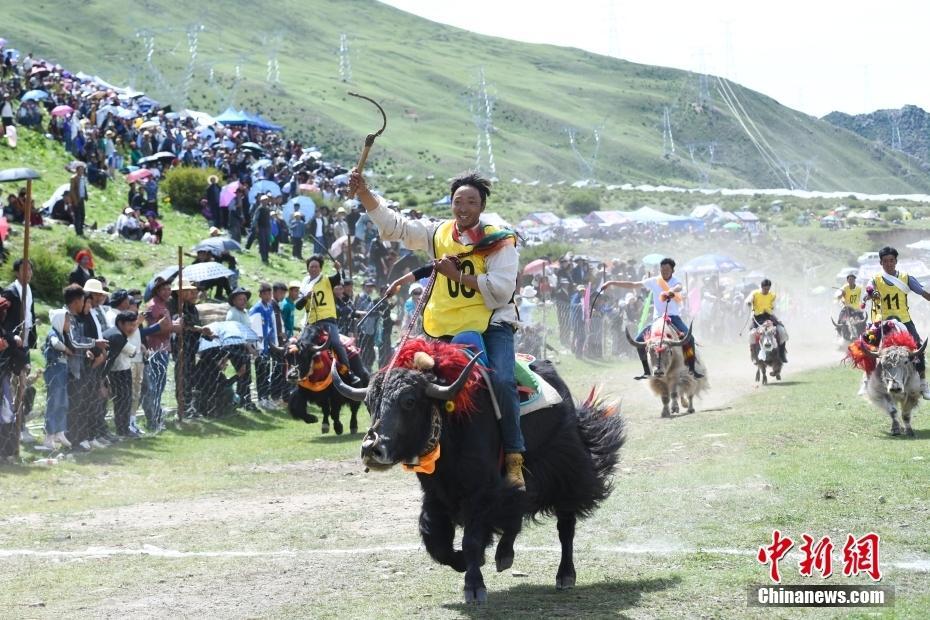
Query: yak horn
point(684, 338)
point(870, 352)
point(449, 392)
point(638, 345)
point(352, 393)
point(834, 322)
point(920, 351)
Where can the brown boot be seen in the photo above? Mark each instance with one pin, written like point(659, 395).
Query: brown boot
point(514, 463)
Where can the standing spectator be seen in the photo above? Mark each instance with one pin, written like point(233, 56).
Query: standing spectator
point(278, 380)
point(318, 231)
point(78, 198)
point(119, 371)
point(191, 331)
point(212, 195)
point(240, 355)
point(261, 227)
point(262, 318)
point(151, 194)
point(56, 381)
point(8, 430)
point(95, 325)
point(234, 215)
point(6, 111)
point(82, 370)
point(84, 270)
point(159, 344)
point(288, 307)
point(367, 329)
point(297, 229)
point(21, 325)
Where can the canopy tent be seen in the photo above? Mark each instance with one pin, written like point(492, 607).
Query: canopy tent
point(607, 218)
point(445, 200)
point(231, 116)
point(648, 215)
point(707, 212)
point(574, 224)
point(494, 219)
point(544, 218)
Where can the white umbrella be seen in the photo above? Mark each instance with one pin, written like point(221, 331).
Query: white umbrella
point(59, 193)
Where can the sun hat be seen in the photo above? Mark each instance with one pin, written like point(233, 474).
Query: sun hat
point(94, 285)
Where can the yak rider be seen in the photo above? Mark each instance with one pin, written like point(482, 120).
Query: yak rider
point(851, 297)
point(762, 302)
point(890, 295)
point(320, 302)
point(667, 299)
point(474, 295)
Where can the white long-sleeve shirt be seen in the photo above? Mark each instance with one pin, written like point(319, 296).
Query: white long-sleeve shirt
point(497, 286)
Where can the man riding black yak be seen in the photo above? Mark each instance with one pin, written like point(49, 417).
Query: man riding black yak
point(433, 411)
point(473, 294)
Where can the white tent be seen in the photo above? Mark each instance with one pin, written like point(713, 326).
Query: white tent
point(494, 219)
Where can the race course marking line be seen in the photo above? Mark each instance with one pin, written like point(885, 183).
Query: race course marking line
point(917, 565)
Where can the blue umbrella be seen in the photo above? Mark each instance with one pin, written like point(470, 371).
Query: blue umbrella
point(304, 204)
point(711, 263)
point(264, 187)
point(35, 95)
point(227, 334)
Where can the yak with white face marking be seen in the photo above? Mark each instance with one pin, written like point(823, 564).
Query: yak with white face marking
point(670, 378)
point(894, 385)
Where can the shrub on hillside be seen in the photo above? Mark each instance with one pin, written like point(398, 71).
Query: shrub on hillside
point(582, 202)
point(74, 244)
point(185, 187)
point(49, 275)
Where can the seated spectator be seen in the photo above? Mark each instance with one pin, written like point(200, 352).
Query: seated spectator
point(129, 226)
point(61, 210)
point(152, 227)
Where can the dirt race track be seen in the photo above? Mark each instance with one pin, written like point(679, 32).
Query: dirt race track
point(320, 538)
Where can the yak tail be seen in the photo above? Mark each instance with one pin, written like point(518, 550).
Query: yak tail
point(603, 432)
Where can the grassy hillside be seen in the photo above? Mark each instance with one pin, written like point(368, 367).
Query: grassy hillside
point(426, 75)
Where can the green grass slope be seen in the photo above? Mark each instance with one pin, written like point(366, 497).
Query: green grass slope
point(426, 73)
point(126, 264)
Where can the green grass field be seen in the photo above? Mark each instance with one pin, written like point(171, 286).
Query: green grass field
point(260, 516)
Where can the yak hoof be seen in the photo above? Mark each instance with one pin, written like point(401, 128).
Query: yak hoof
point(675, 408)
point(324, 428)
point(665, 413)
point(477, 595)
point(337, 426)
point(895, 429)
point(504, 562)
point(910, 432)
point(690, 409)
point(565, 582)
point(310, 419)
point(353, 428)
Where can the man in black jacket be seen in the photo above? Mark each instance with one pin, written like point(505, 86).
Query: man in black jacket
point(16, 324)
point(118, 370)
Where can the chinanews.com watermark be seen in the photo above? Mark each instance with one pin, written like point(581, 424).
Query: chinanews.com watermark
point(821, 596)
point(859, 556)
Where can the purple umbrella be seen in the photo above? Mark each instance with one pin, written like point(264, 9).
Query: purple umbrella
point(228, 193)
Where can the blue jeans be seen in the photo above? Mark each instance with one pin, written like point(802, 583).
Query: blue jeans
point(56, 398)
point(335, 342)
point(674, 319)
point(498, 343)
point(156, 372)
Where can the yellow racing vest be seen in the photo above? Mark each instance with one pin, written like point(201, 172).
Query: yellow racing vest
point(321, 304)
point(893, 301)
point(763, 302)
point(852, 296)
point(452, 308)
